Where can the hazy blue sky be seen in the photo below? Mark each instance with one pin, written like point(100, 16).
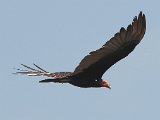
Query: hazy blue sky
point(57, 34)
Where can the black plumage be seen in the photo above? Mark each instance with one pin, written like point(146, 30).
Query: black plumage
point(92, 67)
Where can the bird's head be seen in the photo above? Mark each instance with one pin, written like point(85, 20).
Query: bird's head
point(105, 84)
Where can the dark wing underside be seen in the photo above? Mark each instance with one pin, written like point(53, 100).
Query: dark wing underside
point(118, 47)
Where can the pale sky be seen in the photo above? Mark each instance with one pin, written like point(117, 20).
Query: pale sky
point(56, 35)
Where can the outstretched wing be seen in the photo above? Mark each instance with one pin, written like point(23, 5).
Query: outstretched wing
point(41, 72)
point(118, 47)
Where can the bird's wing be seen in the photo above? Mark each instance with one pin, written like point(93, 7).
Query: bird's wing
point(41, 72)
point(118, 47)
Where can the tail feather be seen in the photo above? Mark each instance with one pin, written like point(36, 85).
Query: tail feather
point(57, 80)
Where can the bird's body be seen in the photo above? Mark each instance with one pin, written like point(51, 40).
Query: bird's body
point(92, 67)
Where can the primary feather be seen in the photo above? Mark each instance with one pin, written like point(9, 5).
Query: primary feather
point(92, 67)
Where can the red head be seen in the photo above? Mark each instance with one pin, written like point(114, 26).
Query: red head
point(105, 84)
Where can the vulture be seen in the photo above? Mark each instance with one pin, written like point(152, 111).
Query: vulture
point(90, 70)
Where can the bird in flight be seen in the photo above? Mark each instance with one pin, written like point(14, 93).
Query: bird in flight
point(90, 70)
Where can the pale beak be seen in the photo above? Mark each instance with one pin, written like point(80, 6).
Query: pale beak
point(105, 84)
point(109, 86)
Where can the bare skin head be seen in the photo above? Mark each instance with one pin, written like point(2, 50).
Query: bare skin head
point(105, 84)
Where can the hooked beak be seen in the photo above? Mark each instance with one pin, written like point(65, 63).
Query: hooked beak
point(106, 84)
point(109, 86)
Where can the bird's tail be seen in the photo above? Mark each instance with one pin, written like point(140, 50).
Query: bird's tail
point(38, 71)
point(57, 80)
